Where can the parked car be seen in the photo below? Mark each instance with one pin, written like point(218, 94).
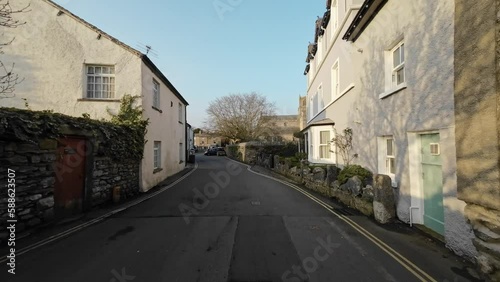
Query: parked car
point(215, 151)
point(220, 151)
point(211, 152)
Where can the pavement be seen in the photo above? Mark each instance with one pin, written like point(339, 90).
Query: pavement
point(223, 221)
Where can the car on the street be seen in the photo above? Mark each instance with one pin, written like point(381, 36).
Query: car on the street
point(221, 151)
point(215, 151)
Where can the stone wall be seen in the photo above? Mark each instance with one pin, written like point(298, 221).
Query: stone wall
point(29, 147)
point(254, 152)
point(477, 115)
point(108, 174)
point(375, 200)
point(36, 176)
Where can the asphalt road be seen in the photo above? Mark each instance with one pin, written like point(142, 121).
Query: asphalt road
point(226, 223)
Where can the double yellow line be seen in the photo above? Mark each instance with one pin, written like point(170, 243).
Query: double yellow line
point(411, 267)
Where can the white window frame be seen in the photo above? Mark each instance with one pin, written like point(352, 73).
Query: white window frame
point(310, 108)
point(315, 104)
point(335, 81)
point(157, 154)
point(92, 76)
point(390, 167)
point(321, 99)
point(156, 94)
point(334, 17)
point(401, 66)
point(385, 157)
point(181, 152)
point(391, 86)
point(319, 52)
point(327, 144)
point(181, 113)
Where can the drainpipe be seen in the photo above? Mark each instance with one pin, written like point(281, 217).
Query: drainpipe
point(411, 217)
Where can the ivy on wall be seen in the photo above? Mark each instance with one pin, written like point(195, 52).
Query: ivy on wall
point(122, 138)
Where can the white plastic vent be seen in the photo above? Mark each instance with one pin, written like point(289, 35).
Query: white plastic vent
point(435, 149)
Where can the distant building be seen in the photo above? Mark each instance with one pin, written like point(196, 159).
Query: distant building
point(203, 140)
point(282, 128)
point(302, 112)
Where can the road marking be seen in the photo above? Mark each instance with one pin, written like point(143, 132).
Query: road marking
point(402, 260)
point(96, 220)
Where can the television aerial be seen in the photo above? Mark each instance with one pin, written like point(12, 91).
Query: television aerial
point(147, 49)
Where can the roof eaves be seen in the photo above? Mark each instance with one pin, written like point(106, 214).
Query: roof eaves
point(318, 123)
point(364, 16)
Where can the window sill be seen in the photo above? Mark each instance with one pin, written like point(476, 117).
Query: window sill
point(156, 109)
point(98, 100)
point(157, 170)
point(393, 91)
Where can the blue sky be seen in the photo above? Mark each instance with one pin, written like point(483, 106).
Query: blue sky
point(243, 46)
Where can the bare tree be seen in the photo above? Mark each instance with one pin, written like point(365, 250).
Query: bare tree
point(8, 79)
point(240, 117)
point(343, 145)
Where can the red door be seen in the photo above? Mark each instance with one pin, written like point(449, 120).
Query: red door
point(70, 176)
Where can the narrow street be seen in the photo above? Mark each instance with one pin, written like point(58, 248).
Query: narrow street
point(252, 229)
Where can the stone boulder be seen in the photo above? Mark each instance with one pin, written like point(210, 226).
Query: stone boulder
point(332, 173)
point(383, 199)
point(295, 171)
point(319, 174)
point(45, 203)
point(354, 185)
point(367, 193)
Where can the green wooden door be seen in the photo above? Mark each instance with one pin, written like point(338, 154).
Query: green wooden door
point(432, 183)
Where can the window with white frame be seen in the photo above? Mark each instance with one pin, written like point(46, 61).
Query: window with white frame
point(390, 156)
point(310, 111)
point(335, 81)
point(321, 100)
point(324, 146)
point(157, 154)
point(319, 52)
point(156, 94)
point(181, 152)
point(181, 113)
point(315, 104)
point(100, 81)
point(398, 64)
point(334, 17)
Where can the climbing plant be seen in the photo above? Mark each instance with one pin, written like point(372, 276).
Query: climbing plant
point(343, 145)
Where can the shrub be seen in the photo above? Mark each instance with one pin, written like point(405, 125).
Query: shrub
point(294, 161)
point(301, 156)
point(355, 170)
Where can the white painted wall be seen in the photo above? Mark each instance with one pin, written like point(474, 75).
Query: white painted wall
point(425, 105)
point(50, 53)
point(338, 52)
point(165, 127)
